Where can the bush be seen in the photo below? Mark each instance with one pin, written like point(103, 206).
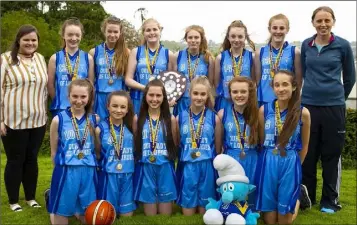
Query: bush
point(348, 153)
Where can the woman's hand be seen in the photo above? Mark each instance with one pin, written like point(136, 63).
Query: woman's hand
point(2, 129)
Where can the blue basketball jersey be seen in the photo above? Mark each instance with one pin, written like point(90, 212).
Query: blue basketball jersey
point(294, 144)
point(102, 75)
point(60, 101)
point(68, 149)
point(160, 151)
point(265, 91)
point(207, 144)
point(182, 67)
point(142, 74)
point(110, 160)
point(231, 142)
point(227, 70)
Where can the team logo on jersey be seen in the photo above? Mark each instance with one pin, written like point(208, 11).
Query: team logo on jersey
point(230, 126)
point(267, 124)
point(182, 67)
point(145, 133)
point(185, 129)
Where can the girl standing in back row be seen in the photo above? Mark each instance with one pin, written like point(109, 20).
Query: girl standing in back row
point(278, 54)
point(194, 61)
point(233, 61)
point(67, 65)
point(110, 62)
point(147, 61)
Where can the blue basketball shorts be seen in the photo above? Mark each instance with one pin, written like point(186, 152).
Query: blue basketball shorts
point(197, 184)
point(73, 188)
point(155, 183)
point(117, 188)
point(278, 182)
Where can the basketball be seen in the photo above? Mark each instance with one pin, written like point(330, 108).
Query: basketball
point(100, 212)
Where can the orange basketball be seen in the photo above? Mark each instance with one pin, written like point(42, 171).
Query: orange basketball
point(100, 212)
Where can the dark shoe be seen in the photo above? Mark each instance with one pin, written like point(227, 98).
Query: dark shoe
point(305, 201)
point(46, 193)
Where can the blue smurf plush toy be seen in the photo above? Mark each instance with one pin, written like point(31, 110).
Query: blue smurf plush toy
point(234, 187)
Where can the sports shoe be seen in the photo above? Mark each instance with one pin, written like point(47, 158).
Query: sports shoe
point(305, 201)
point(46, 194)
point(327, 210)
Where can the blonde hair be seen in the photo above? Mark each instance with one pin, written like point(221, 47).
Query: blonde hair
point(121, 54)
point(203, 49)
point(236, 23)
point(204, 81)
point(146, 22)
point(279, 16)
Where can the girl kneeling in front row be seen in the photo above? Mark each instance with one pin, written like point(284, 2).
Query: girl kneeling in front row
point(115, 144)
point(200, 134)
point(284, 130)
point(155, 150)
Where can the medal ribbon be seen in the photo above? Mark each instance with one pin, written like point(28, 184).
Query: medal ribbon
point(153, 134)
point(76, 130)
point(278, 123)
point(110, 66)
point(237, 66)
point(151, 64)
point(241, 137)
point(192, 72)
point(197, 135)
point(72, 73)
point(117, 145)
point(274, 66)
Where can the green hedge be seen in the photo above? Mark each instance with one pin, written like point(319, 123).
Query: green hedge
point(348, 154)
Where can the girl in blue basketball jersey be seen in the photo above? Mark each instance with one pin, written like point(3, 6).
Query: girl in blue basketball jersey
point(155, 152)
point(278, 54)
point(110, 62)
point(68, 64)
point(200, 138)
point(234, 60)
point(284, 131)
point(116, 144)
point(194, 61)
point(240, 121)
point(73, 184)
point(146, 61)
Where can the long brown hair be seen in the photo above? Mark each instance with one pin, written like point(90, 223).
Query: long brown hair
point(128, 118)
point(294, 111)
point(23, 30)
point(121, 50)
point(279, 16)
point(70, 21)
point(236, 23)
point(250, 113)
point(205, 82)
point(203, 49)
point(84, 83)
point(165, 116)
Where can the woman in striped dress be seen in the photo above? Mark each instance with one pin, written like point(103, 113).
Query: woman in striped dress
point(23, 114)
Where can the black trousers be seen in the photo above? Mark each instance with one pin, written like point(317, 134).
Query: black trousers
point(327, 139)
point(21, 148)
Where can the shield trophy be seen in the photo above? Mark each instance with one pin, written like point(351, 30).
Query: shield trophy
point(174, 83)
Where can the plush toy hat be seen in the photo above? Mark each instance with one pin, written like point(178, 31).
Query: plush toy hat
point(229, 169)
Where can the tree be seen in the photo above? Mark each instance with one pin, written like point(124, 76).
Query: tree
point(132, 36)
point(12, 21)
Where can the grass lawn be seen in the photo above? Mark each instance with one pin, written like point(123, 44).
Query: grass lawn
point(39, 216)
